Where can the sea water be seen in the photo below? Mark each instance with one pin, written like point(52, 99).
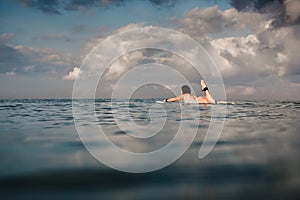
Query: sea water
point(255, 157)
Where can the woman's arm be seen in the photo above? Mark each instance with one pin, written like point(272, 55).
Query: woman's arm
point(178, 98)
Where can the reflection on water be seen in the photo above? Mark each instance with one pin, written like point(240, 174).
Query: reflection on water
point(256, 157)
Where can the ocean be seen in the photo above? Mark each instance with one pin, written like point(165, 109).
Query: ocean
point(255, 157)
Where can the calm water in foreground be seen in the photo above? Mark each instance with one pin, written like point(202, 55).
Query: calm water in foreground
point(256, 156)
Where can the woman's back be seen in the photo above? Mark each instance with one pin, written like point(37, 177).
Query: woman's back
point(188, 98)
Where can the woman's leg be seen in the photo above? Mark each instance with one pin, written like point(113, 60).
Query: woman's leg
point(208, 97)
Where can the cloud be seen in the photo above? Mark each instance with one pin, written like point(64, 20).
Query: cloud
point(83, 5)
point(276, 51)
point(8, 73)
point(251, 4)
point(54, 36)
point(135, 58)
point(55, 7)
point(250, 47)
point(255, 44)
point(123, 64)
point(6, 37)
point(49, 7)
point(285, 11)
point(292, 9)
point(74, 74)
point(199, 22)
point(29, 68)
point(208, 20)
point(97, 39)
point(28, 60)
point(128, 27)
point(79, 28)
point(265, 50)
point(164, 3)
point(75, 5)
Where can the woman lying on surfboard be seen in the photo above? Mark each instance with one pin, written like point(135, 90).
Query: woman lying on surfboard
point(189, 98)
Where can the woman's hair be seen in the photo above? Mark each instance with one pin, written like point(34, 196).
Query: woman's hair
point(185, 89)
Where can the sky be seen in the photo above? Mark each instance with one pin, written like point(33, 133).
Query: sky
point(254, 43)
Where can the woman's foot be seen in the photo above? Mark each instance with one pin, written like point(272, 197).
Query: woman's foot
point(203, 85)
point(208, 96)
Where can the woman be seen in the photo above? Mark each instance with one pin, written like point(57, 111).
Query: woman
point(189, 98)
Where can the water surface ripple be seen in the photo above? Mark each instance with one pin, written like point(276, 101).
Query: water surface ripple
point(256, 157)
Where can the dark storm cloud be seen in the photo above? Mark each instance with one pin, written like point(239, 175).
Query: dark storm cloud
point(163, 3)
point(47, 6)
point(83, 4)
point(241, 5)
point(285, 11)
point(56, 6)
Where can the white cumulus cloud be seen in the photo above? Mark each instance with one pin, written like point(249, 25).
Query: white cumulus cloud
point(74, 74)
point(8, 74)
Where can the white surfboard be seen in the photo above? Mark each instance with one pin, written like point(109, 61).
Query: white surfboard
point(218, 102)
point(226, 102)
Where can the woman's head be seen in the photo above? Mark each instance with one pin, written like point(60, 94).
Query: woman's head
point(185, 89)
